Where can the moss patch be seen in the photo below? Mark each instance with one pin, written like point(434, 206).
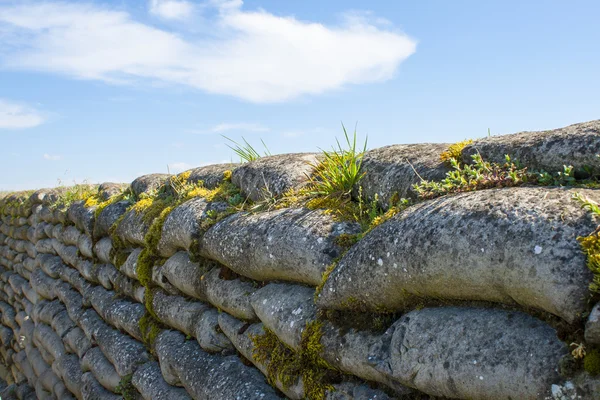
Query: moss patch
point(126, 389)
point(591, 362)
point(288, 366)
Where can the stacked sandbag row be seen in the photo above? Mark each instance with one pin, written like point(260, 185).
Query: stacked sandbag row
point(456, 297)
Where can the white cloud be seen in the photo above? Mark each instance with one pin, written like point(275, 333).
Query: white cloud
point(52, 157)
point(171, 9)
point(18, 116)
point(253, 55)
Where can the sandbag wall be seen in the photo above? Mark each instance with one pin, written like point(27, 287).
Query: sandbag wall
point(465, 296)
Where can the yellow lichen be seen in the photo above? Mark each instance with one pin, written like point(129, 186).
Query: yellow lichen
point(455, 151)
point(591, 247)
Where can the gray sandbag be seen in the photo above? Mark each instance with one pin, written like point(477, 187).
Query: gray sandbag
point(390, 171)
point(185, 275)
point(182, 225)
point(149, 381)
point(104, 372)
point(125, 353)
point(132, 228)
point(272, 176)
point(511, 245)
point(500, 354)
point(86, 246)
point(148, 184)
point(230, 295)
point(108, 216)
point(92, 390)
point(129, 268)
point(77, 342)
point(70, 236)
point(82, 216)
point(576, 145)
point(45, 337)
point(204, 375)
point(103, 248)
point(288, 244)
point(61, 323)
point(241, 335)
point(177, 312)
point(43, 284)
point(68, 369)
point(209, 335)
point(211, 176)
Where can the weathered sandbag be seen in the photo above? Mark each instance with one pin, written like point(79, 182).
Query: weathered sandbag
point(182, 225)
point(108, 216)
point(103, 248)
point(592, 326)
point(44, 246)
point(289, 244)
point(128, 287)
point(500, 354)
point(148, 183)
point(104, 372)
point(86, 246)
point(61, 323)
point(287, 309)
point(92, 390)
point(150, 383)
point(210, 175)
point(82, 216)
point(72, 300)
point(230, 295)
point(69, 370)
point(209, 335)
point(76, 342)
point(70, 236)
point(43, 284)
point(512, 245)
point(241, 335)
point(272, 176)
point(50, 264)
point(90, 322)
point(176, 311)
point(390, 170)
point(45, 337)
point(126, 316)
point(185, 275)
point(576, 145)
point(132, 228)
point(204, 375)
point(125, 353)
point(129, 268)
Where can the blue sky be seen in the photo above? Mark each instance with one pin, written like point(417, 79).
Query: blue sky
point(107, 91)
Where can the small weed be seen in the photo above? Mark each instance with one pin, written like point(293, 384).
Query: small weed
point(340, 169)
point(587, 204)
point(245, 150)
point(126, 389)
point(455, 150)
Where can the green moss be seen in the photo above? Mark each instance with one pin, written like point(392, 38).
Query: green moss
point(126, 389)
point(150, 328)
point(591, 247)
point(154, 234)
point(287, 366)
point(146, 261)
point(119, 257)
point(591, 362)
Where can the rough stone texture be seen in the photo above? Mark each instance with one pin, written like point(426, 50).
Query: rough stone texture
point(132, 228)
point(92, 390)
point(148, 183)
point(274, 175)
point(104, 372)
point(108, 216)
point(185, 275)
point(288, 244)
point(515, 245)
point(592, 326)
point(390, 170)
point(68, 369)
point(204, 375)
point(151, 385)
point(575, 145)
point(500, 354)
point(182, 225)
point(210, 175)
point(130, 266)
point(103, 248)
point(176, 312)
point(230, 295)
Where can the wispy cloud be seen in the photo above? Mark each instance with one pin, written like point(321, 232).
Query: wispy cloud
point(15, 115)
point(252, 55)
point(228, 127)
point(52, 157)
point(171, 9)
